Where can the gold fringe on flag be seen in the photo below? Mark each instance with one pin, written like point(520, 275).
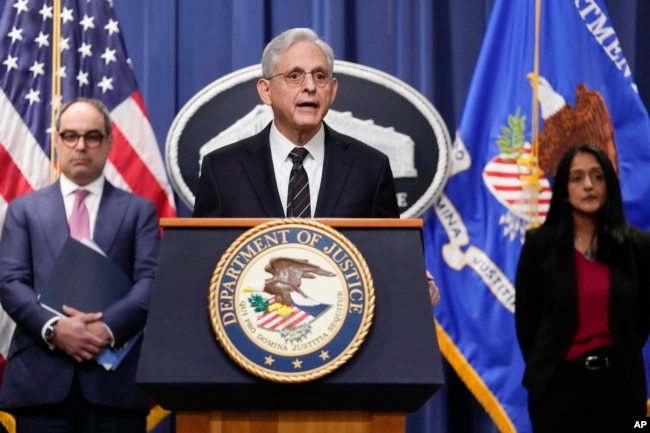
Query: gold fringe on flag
point(8, 422)
point(473, 382)
point(156, 414)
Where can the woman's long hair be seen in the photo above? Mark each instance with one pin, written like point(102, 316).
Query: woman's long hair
point(612, 228)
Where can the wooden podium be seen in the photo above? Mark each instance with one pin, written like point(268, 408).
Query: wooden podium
point(290, 422)
point(183, 367)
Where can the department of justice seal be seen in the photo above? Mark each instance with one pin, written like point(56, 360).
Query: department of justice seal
point(291, 300)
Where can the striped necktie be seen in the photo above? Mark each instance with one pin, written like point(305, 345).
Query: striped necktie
point(298, 205)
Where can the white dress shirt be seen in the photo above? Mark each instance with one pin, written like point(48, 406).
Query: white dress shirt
point(95, 188)
point(282, 163)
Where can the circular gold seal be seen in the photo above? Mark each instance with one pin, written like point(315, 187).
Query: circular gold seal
point(291, 300)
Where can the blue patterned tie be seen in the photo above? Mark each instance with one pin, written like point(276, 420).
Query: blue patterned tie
point(298, 205)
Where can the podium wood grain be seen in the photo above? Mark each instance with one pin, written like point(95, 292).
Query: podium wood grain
point(290, 422)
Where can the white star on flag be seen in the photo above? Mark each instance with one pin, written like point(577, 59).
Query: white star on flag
point(11, 62)
point(106, 84)
point(33, 96)
point(43, 40)
point(82, 78)
point(46, 11)
point(21, 6)
point(37, 68)
point(66, 15)
point(108, 55)
point(87, 22)
point(15, 35)
point(112, 27)
point(85, 51)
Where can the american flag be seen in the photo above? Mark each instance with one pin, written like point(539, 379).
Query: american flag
point(275, 321)
point(93, 63)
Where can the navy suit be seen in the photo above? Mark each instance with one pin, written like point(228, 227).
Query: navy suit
point(35, 230)
point(238, 181)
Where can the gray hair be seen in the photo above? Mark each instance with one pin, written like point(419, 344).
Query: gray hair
point(99, 105)
point(285, 40)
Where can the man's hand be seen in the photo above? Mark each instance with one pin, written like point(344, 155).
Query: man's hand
point(100, 330)
point(97, 327)
point(74, 336)
point(434, 291)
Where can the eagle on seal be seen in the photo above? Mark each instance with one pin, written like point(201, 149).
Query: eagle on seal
point(287, 278)
point(587, 121)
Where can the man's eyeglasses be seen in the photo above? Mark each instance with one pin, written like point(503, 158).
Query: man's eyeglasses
point(296, 78)
point(92, 139)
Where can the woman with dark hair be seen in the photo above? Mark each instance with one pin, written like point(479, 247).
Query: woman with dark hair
point(583, 304)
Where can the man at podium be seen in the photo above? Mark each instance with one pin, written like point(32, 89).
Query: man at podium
point(251, 178)
point(296, 167)
point(257, 176)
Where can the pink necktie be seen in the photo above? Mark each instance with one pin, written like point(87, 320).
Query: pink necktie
point(79, 220)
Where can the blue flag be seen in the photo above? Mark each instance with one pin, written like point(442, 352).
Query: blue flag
point(566, 81)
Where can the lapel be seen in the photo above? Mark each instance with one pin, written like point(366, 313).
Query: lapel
point(50, 211)
point(622, 278)
point(258, 166)
point(336, 167)
point(112, 208)
point(563, 266)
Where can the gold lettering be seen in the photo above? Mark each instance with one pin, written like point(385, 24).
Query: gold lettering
point(356, 295)
point(228, 318)
point(229, 285)
point(232, 273)
point(355, 308)
point(226, 306)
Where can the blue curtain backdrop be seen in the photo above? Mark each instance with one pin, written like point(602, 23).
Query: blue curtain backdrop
point(179, 46)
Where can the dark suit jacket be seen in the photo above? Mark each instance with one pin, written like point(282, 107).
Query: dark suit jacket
point(546, 306)
point(238, 181)
point(34, 232)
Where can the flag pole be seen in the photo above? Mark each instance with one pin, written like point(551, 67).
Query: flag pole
point(535, 105)
point(534, 186)
point(56, 84)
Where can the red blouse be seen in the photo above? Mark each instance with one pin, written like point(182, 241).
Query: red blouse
point(593, 307)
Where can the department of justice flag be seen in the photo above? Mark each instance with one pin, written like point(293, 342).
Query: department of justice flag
point(576, 75)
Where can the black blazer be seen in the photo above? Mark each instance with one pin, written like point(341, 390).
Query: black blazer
point(546, 306)
point(238, 181)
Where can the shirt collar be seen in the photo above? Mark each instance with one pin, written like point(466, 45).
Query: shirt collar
point(95, 187)
point(281, 146)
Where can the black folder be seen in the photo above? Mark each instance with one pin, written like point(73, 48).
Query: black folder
point(84, 279)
